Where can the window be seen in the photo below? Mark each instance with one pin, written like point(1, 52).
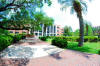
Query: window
point(11, 31)
point(16, 32)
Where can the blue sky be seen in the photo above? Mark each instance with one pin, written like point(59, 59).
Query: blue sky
point(65, 18)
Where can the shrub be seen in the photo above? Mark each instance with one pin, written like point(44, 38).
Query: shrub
point(98, 39)
point(59, 42)
point(93, 39)
point(16, 38)
point(4, 32)
point(5, 41)
point(43, 38)
point(99, 52)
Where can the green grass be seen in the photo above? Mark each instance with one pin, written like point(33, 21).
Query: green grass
point(49, 40)
point(88, 47)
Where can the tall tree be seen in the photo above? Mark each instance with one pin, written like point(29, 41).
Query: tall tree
point(76, 5)
point(67, 31)
point(9, 6)
point(88, 28)
point(36, 21)
point(15, 4)
point(17, 21)
point(47, 21)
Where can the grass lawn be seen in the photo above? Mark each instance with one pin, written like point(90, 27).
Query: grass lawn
point(88, 47)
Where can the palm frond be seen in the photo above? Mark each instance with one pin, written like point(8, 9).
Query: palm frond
point(72, 11)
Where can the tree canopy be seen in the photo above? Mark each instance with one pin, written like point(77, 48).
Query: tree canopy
point(9, 6)
point(67, 31)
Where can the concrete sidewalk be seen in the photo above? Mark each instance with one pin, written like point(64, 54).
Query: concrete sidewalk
point(43, 54)
point(29, 51)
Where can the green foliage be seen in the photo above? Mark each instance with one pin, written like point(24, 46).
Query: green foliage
point(76, 38)
point(16, 38)
point(5, 41)
point(88, 28)
point(98, 39)
point(76, 33)
point(44, 38)
point(4, 32)
point(87, 47)
point(59, 42)
point(90, 39)
point(22, 13)
point(99, 52)
point(67, 31)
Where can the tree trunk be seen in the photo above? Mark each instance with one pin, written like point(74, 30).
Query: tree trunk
point(81, 35)
point(86, 30)
point(44, 32)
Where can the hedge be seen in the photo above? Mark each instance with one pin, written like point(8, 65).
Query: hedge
point(6, 40)
point(43, 38)
point(59, 42)
point(76, 38)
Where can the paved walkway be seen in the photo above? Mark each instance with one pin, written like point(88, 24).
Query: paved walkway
point(33, 52)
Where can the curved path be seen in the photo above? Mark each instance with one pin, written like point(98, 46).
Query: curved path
point(38, 53)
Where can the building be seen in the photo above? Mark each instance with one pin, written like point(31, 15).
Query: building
point(19, 31)
point(54, 30)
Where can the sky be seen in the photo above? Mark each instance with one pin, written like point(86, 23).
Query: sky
point(64, 18)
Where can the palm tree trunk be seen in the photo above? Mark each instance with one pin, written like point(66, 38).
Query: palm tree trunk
point(86, 30)
point(81, 36)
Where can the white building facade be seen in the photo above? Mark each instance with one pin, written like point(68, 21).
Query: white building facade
point(50, 31)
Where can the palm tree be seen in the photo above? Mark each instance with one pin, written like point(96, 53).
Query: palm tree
point(76, 6)
point(88, 27)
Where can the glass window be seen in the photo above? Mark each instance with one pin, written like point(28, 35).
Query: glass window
point(11, 31)
point(16, 32)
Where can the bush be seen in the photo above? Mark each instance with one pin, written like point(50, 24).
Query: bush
point(16, 38)
point(5, 41)
point(43, 38)
point(98, 39)
point(92, 39)
point(99, 52)
point(59, 42)
point(4, 32)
